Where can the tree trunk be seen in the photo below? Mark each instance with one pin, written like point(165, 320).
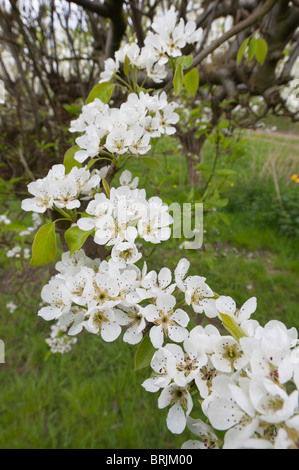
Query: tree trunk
point(192, 146)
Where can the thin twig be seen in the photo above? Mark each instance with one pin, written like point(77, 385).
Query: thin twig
point(25, 165)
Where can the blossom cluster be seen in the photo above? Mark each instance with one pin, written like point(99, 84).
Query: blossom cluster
point(247, 387)
point(4, 219)
point(60, 189)
point(19, 251)
point(103, 296)
point(58, 341)
point(127, 129)
point(166, 40)
point(124, 215)
point(11, 306)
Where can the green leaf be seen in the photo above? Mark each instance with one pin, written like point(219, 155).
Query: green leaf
point(91, 162)
point(127, 66)
point(178, 79)
point(225, 172)
point(76, 237)
point(224, 218)
point(144, 353)
point(261, 50)
point(231, 326)
point(203, 167)
point(224, 124)
point(15, 227)
point(69, 158)
point(185, 61)
point(216, 202)
point(152, 163)
point(72, 108)
point(251, 49)
point(106, 187)
point(44, 245)
point(103, 91)
point(242, 50)
point(191, 81)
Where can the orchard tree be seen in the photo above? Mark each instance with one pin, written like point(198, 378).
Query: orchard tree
point(234, 383)
point(239, 70)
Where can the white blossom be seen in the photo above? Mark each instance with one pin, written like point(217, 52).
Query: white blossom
point(167, 320)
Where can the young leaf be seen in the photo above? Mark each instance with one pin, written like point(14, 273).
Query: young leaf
point(178, 79)
point(232, 327)
point(225, 172)
point(185, 61)
point(103, 91)
point(242, 50)
point(191, 81)
point(44, 245)
point(75, 238)
point(261, 50)
point(216, 202)
point(69, 158)
point(15, 227)
point(106, 187)
point(251, 49)
point(144, 353)
point(127, 66)
point(152, 163)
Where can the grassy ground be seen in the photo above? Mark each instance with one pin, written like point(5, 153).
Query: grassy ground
point(91, 397)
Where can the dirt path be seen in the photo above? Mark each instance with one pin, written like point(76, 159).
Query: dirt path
point(268, 137)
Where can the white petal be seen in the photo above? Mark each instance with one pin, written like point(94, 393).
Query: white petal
point(31, 205)
point(131, 234)
point(166, 396)
point(151, 313)
point(110, 331)
point(181, 317)
point(164, 277)
point(226, 305)
point(157, 336)
point(176, 419)
point(182, 267)
point(176, 350)
point(223, 414)
point(121, 317)
point(166, 302)
point(192, 444)
point(49, 313)
point(177, 333)
point(247, 309)
point(86, 223)
point(75, 329)
point(132, 337)
point(236, 436)
point(221, 364)
point(208, 306)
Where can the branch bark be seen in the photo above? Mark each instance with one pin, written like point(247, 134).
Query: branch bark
point(112, 9)
point(257, 15)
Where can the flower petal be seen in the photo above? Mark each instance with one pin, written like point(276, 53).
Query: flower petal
point(110, 331)
point(156, 336)
point(176, 419)
point(181, 317)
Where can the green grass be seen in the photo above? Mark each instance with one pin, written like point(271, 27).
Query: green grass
point(89, 398)
point(92, 398)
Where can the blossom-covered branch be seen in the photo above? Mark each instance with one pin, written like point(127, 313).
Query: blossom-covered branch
point(241, 376)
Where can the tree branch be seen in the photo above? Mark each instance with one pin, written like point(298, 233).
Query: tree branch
point(136, 19)
point(251, 20)
point(100, 9)
point(112, 9)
